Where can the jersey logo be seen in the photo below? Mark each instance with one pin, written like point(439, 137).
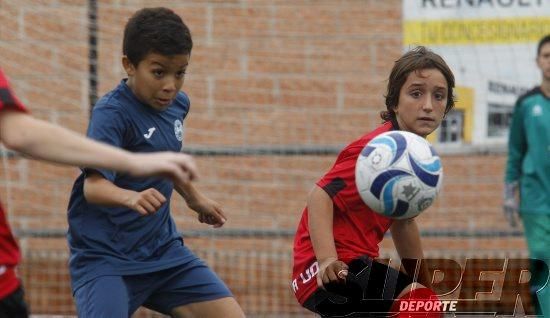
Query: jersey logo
point(178, 129)
point(537, 110)
point(150, 133)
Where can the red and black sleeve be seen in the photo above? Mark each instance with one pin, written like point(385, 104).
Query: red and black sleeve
point(7, 99)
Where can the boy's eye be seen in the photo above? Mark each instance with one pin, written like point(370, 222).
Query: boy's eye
point(158, 73)
point(180, 74)
point(416, 93)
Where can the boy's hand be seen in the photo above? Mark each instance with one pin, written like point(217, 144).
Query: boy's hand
point(210, 212)
point(331, 270)
point(511, 204)
point(146, 202)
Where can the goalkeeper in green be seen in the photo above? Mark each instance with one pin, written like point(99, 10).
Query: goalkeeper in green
point(527, 180)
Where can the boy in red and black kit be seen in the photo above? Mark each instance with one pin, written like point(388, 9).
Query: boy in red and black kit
point(21, 132)
point(335, 270)
point(11, 292)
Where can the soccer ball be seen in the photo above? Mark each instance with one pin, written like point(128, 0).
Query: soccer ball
point(398, 174)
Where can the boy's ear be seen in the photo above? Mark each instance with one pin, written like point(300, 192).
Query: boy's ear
point(128, 66)
point(394, 108)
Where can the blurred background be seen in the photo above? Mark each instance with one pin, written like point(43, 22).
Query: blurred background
point(277, 88)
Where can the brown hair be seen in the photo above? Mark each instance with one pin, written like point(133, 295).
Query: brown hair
point(416, 59)
point(542, 42)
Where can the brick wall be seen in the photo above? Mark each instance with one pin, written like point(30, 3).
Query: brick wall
point(262, 73)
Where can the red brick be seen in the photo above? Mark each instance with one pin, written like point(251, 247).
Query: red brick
point(11, 28)
point(308, 93)
point(320, 20)
point(385, 18)
point(27, 59)
point(73, 59)
point(197, 88)
point(235, 22)
point(56, 93)
point(76, 121)
point(242, 93)
point(195, 17)
point(272, 55)
point(215, 58)
point(214, 131)
point(56, 24)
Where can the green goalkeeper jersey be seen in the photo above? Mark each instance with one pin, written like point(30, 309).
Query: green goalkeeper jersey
point(529, 151)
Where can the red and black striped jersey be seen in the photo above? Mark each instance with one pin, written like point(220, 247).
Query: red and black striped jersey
point(357, 229)
point(9, 251)
point(7, 98)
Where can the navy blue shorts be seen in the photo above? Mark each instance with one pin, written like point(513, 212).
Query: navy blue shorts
point(162, 291)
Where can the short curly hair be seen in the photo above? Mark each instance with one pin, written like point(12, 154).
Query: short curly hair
point(155, 30)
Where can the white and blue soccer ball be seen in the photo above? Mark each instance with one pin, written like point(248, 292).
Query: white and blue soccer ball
point(398, 174)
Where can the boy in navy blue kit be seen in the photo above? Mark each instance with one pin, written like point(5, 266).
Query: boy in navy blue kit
point(125, 249)
point(41, 140)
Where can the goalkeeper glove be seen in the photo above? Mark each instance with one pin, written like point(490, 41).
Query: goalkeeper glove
point(511, 204)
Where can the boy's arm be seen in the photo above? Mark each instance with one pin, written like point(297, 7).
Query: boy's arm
point(320, 220)
point(406, 238)
point(98, 190)
point(517, 147)
point(210, 211)
point(42, 140)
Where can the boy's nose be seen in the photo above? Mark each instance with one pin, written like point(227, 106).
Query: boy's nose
point(428, 105)
point(169, 86)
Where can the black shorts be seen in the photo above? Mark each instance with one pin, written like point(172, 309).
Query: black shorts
point(14, 305)
point(369, 291)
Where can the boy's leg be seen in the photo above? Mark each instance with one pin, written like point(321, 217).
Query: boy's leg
point(13, 305)
point(226, 307)
point(540, 286)
point(103, 297)
point(192, 290)
point(537, 233)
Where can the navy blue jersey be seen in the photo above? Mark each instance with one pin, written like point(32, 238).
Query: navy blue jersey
point(117, 240)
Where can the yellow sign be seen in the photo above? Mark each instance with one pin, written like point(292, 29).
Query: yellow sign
point(490, 31)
